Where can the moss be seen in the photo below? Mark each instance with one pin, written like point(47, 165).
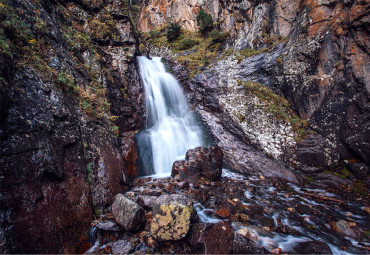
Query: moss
point(309, 179)
point(343, 173)
point(278, 106)
point(360, 188)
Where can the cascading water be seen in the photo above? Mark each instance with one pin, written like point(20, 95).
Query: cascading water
point(171, 128)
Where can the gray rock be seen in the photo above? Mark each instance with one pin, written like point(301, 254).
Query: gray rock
point(122, 247)
point(107, 226)
point(128, 214)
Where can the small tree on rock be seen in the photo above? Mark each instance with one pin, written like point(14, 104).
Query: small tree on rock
point(204, 21)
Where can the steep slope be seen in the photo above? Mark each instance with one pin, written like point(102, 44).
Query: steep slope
point(311, 53)
point(70, 104)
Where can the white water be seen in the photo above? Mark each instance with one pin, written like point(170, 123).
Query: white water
point(172, 128)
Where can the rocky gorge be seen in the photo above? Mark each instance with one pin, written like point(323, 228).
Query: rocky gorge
point(282, 88)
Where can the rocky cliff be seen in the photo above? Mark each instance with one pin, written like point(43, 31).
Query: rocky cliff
point(70, 102)
point(290, 78)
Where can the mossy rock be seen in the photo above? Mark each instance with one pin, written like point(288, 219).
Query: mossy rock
point(172, 215)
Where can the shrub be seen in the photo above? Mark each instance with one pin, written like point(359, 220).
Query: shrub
point(173, 31)
point(218, 36)
point(154, 33)
point(204, 21)
point(187, 44)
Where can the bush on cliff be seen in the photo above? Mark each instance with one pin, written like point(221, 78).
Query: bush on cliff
point(173, 31)
point(204, 21)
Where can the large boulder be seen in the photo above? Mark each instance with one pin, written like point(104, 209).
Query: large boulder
point(172, 215)
point(206, 162)
point(313, 247)
point(212, 238)
point(128, 214)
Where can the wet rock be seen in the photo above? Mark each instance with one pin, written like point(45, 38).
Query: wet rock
point(246, 241)
point(195, 236)
point(199, 162)
point(129, 153)
point(312, 247)
point(183, 185)
point(146, 201)
point(211, 238)
point(122, 247)
point(218, 238)
point(128, 214)
point(346, 228)
point(241, 217)
point(210, 160)
point(172, 215)
point(107, 226)
point(222, 213)
point(155, 193)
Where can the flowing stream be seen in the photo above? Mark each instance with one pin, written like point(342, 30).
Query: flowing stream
point(171, 127)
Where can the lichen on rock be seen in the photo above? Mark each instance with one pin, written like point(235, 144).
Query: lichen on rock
point(172, 217)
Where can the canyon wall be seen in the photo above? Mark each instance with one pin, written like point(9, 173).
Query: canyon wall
point(71, 102)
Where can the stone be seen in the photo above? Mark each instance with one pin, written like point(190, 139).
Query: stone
point(128, 214)
point(211, 238)
point(172, 215)
point(107, 226)
point(312, 247)
point(222, 213)
point(146, 201)
point(199, 162)
point(122, 247)
point(246, 241)
point(345, 227)
point(218, 238)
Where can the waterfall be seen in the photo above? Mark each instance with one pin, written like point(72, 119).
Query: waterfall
point(171, 127)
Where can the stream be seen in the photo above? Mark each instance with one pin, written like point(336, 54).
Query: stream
point(279, 216)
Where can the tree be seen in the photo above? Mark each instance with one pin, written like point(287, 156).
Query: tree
point(204, 21)
point(173, 31)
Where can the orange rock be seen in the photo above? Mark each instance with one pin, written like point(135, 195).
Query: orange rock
point(222, 213)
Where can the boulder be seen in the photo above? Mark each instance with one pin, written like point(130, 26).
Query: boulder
point(212, 238)
point(312, 247)
point(246, 241)
point(121, 247)
point(205, 162)
point(346, 228)
point(128, 214)
point(172, 215)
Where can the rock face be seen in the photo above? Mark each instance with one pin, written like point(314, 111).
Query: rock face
point(128, 214)
point(172, 215)
point(60, 154)
point(304, 52)
point(205, 162)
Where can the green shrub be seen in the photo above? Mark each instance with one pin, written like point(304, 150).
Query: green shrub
point(204, 21)
point(173, 32)
point(187, 44)
point(218, 36)
point(154, 34)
